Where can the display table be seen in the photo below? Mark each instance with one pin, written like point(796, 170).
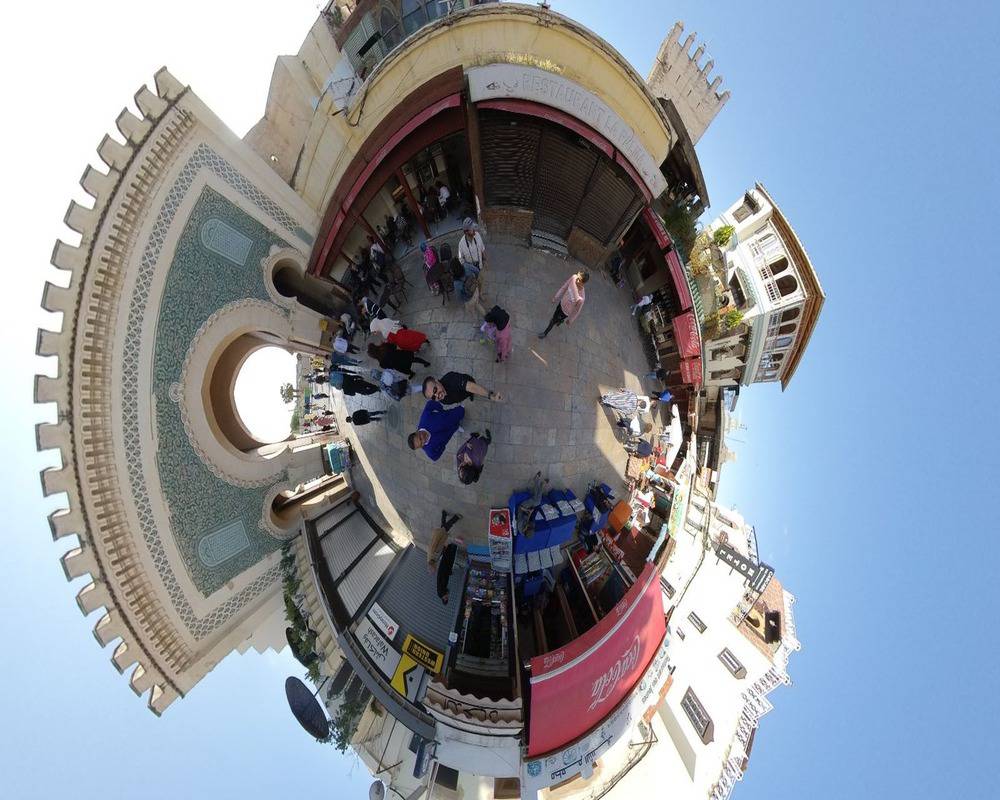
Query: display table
point(484, 643)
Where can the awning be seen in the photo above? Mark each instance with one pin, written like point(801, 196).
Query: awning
point(691, 370)
point(680, 281)
point(601, 666)
point(687, 335)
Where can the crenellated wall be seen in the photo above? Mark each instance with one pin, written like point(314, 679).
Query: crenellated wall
point(679, 75)
point(178, 544)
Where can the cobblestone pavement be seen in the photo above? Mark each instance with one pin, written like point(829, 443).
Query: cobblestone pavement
point(551, 418)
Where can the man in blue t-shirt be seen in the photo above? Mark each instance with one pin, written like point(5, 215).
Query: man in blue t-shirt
point(436, 427)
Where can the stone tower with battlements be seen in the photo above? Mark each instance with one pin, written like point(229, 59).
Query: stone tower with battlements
point(678, 76)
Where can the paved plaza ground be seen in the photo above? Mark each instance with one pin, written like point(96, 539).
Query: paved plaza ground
point(551, 418)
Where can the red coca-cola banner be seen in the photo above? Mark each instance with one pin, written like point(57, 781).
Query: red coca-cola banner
point(574, 688)
point(687, 336)
point(680, 282)
point(691, 371)
point(656, 227)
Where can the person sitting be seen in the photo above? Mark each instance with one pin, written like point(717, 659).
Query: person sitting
point(471, 456)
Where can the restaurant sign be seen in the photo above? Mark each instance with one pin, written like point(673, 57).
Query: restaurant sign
point(594, 672)
point(540, 773)
point(385, 656)
point(499, 81)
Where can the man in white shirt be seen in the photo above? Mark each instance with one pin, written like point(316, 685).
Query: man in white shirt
point(471, 249)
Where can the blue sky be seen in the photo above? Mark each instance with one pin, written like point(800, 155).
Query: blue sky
point(868, 480)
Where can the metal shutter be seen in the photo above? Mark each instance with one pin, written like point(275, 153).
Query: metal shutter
point(610, 196)
point(564, 171)
point(510, 152)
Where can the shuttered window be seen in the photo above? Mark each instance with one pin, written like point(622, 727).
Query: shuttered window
point(510, 153)
point(564, 172)
point(609, 197)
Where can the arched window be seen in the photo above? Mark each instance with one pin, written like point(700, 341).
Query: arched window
point(787, 285)
point(779, 266)
point(392, 32)
point(790, 313)
point(788, 327)
point(413, 15)
point(783, 341)
point(434, 9)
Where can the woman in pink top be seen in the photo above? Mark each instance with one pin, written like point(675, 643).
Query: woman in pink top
point(569, 301)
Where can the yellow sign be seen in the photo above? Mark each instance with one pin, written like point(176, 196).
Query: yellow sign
point(426, 656)
point(406, 678)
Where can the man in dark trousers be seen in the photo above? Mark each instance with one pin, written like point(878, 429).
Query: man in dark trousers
point(445, 565)
point(363, 416)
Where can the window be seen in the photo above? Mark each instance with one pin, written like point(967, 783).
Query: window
point(787, 285)
point(790, 314)
point(667, 587)
point(506, 788)
point(698, 716)
point(695, 620)
point(783, 341)
point(788, 327)
point(680, 633)
point(392, 33)
point(732, 663)
point(779, 266)
point(741, 213)
point(446, 777)
point(413, 15)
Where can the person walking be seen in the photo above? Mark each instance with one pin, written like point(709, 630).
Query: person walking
point(471, 456)
point(496, 325)
point(569, 301)
point(628, 403)
point(436, 427)
point(389, 356)
point(340, 360)
point(430, 260)
point(456, 387)
point(471, 248)
point(351, 384)
point(642, 302)
point(343, 346)
point(363, 417)
point(439, 538)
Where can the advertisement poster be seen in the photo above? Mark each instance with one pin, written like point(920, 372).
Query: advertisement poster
point(593, 673)
point(501, 544)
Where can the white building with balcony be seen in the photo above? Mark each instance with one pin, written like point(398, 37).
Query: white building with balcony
point(773, 284)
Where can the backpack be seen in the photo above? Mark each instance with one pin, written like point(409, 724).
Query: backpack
point(498, 317)
point(446, 252)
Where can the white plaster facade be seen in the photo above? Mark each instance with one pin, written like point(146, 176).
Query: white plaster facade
point(777, 290)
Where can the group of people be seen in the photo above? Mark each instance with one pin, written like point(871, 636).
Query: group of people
point(446, 272)
point(438, 423)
